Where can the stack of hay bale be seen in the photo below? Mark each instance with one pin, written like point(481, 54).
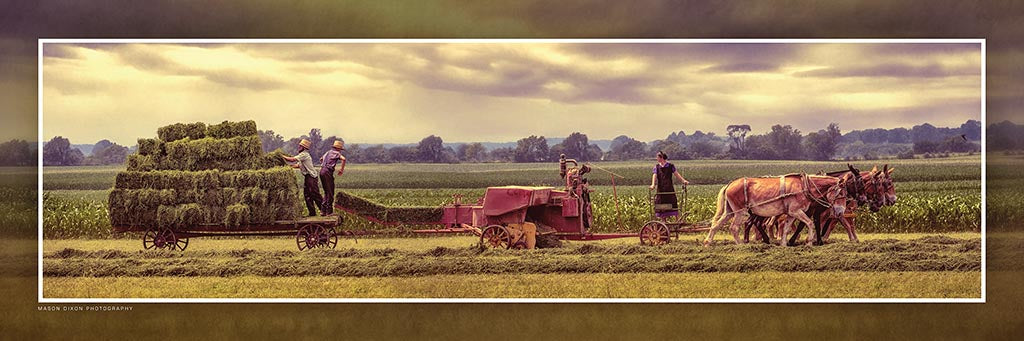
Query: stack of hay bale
point(194, 174)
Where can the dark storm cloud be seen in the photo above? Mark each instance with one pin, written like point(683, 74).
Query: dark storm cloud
point(898, 70)
point(58, 51)
point(672, 53)
point(741, 67)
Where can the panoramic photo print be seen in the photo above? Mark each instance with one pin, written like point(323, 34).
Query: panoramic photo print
point(523, 170)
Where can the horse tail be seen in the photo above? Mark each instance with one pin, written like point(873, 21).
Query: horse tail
point(722, 205)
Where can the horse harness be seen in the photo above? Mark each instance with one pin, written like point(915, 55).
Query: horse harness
point(784, 194)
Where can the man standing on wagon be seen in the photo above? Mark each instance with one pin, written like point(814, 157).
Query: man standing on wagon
point(327, 163)
point(311, 187)
point(662, 181)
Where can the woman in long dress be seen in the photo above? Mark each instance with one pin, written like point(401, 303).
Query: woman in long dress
point(662, 181)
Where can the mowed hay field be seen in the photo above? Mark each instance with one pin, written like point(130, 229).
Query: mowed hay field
point(927, 246)
point(909, 265)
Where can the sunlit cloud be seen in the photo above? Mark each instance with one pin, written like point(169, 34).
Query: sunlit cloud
point(399, 93)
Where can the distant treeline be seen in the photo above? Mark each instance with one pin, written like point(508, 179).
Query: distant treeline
point(781, 142)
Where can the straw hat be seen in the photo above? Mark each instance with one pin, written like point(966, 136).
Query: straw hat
point(339, 145)
point(304, 143)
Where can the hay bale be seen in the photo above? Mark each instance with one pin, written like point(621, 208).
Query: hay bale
point(270, 160)
point(237, 215)
point(188, 215)
point(180, 131)
point(207, 179)
point(228, 129)
point(150, 147)
point(167, 216)
point(193, 174)
point(208, 153)
point(254, 196)
point(142, 163)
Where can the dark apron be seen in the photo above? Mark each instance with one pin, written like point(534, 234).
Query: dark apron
point(665, 186)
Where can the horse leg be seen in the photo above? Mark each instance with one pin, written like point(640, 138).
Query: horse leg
point(826, 230)
point(784, 227)
point(798, 227)
point(746, 230)
point(716, 225)
point(740, 219)
point(812, 237)
point(761, 231)
point(850, 233)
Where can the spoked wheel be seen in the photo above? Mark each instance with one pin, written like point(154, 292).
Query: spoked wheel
point(654, 233)
point(316, 236)
point(163, 239)
point(303, 237)
point(331, 241)
point(496, 237)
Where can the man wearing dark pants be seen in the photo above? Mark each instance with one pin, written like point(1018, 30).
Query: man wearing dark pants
point(311, 187)
point(327, 165)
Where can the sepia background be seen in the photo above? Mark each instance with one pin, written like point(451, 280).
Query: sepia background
point(998, 22)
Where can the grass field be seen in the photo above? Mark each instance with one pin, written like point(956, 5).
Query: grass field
point(912, 265)
point(630, 285)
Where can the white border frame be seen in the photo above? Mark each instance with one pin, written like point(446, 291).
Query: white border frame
point(42, 299)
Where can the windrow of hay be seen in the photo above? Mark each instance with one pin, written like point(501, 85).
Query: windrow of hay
point(194, 174)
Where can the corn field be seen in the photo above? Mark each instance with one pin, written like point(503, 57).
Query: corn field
point(934, 195)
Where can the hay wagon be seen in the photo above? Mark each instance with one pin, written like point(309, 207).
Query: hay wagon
point(529, 216)
point(309, 232)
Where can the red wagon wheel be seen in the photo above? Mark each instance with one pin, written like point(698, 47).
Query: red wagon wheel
point(495, 237)
point(163, 239)
point(654, 233)
point(331, 237)
point(303, 237)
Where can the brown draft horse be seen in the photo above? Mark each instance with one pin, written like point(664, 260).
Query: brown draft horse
point(790, 194)
point(874, 188)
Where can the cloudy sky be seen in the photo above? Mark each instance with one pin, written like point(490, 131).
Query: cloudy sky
point(399, 93)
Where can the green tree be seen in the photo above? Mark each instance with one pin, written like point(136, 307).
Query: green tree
point(628, 148)
point(786, 142)
point(575, 147)
point(58, 152)
point(737, 133)
point(17, 153)
point(532, 149)
point(114, 154)
point(270, 140)
point(472, 152)
point(431, 149)
point(503, 154)
point(704, 149)
point(822, 145)
point(672, 149)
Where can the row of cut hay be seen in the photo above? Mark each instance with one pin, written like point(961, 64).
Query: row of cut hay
point(369, 209)
point(200, 130)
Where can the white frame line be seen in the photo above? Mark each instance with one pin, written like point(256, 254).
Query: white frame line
point(42, 299)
